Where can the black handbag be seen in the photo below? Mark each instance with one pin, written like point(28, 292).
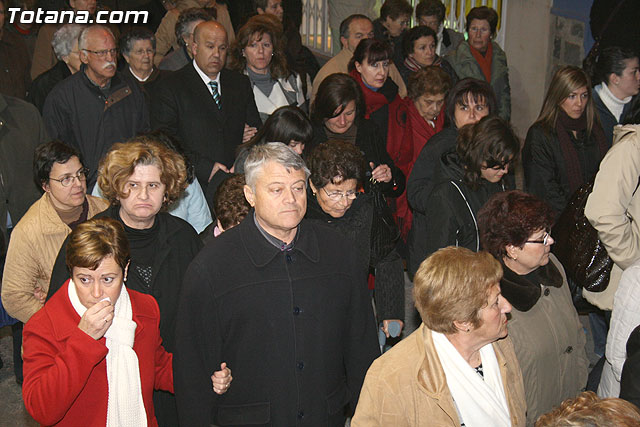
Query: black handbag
point(384, 230)
point(584, 257)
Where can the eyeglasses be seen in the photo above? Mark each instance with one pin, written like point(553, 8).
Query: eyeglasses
point(67, 180)
point(102, 53)
point(141, 52)
point(544, 241)
point(336, 196)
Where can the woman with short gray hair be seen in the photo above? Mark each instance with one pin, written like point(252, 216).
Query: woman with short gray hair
point(65, 46)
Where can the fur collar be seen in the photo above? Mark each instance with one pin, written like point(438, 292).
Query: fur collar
point(523, 292)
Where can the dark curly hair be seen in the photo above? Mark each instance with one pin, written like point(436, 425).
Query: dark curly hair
point(491, 141)
point(431, 80)
point(48, 153)
point(371, 50)
point(229, 204)
point(335, 161)
point(411, 36)
point(394, 9)
point(431, 8)
point(510, 218)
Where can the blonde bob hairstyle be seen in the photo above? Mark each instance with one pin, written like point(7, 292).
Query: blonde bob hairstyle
point(120, 163)
point(93, 241)
point(453, 284)
point(565, 80)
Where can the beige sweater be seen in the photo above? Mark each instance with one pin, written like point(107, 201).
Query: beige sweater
point(33, 249)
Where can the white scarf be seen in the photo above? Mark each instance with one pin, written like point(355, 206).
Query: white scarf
point(479, 402)
point(125, 405)
point(439, 38)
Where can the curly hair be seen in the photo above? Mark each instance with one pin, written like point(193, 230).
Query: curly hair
point(94, 240)
point(431, 80)
point(487, 143)
point(255, 28)
point(335, 161)
point(431, 8)
point(120, 163)
point(48, 153)
point(229, 204)
point(413, 35)
point(453, 284)
point(394, 9)
point(510, 218)
point(188, 17)
point(483, 13)
point(587, 410)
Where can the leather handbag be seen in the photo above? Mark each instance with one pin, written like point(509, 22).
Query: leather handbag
point(584, 257)
point(384, 230)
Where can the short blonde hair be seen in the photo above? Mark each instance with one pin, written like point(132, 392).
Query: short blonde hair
point(452, 285)
point(120, 163)
point(94, 240)
point(588, 410)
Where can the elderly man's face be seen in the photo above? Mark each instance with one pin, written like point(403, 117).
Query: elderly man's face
point(209, 48)
point(140, 57)
point(100, 56)
point(280, 199)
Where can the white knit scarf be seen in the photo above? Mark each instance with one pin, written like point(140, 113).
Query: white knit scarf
point(480, 402)
point(125, 405)
point(613, 104)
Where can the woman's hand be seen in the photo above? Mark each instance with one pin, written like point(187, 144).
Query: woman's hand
point(381, 173)
point(97, 319)
point(387, 322)
point(39, 294)
point(249, 132)
point(221, 379)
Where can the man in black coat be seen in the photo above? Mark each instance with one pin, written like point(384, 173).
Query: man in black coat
point(282, 302)
point(210, 125)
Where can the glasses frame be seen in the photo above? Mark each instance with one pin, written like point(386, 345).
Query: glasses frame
point(81, 176)
point(103, 53)
point(333, 196)
point(544, 241)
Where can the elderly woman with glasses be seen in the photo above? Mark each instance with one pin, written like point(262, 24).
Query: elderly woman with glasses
point(36, 239)
point(459, 367)
point(337, 170)
point(544, 326)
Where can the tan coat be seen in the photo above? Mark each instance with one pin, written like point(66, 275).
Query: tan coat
point(614, 210)
point(407, 386)
point(340, 64)
point(166, 32)
point(33, 248)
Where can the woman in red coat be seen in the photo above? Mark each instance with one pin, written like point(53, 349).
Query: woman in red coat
point(93, 354)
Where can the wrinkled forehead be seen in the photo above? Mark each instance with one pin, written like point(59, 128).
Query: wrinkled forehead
point(100, 39)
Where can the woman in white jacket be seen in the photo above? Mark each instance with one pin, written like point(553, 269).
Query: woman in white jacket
point(259, 53)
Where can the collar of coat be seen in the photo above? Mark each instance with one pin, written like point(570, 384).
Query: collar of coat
point(261, 252)
point(523, 291)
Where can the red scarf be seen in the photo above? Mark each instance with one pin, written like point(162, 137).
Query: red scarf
point(373, 100)
point(408, 133)
point(483, 61)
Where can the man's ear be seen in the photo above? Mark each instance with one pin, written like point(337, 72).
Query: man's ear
point(248, 194)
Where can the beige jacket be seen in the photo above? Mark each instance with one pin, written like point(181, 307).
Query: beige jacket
point(166, 32)
point(613, 208)
point(407, 386)
point(33, 249)
point(340, 64)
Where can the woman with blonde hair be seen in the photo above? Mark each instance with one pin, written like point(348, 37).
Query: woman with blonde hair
point(459, 367)
point(259, 53)
point(565, 145)
point(141, 178)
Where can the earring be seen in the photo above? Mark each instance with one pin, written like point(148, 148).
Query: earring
point(468, 330)
point(314, 193)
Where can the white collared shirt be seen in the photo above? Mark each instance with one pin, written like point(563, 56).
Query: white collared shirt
point(206, 79)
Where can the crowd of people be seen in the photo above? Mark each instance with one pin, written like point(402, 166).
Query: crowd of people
point(202, 226)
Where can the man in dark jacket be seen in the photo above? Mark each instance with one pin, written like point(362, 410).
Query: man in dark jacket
point(282, 302)
point(97, 106)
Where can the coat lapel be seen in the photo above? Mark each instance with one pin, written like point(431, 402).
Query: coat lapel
point(202, 96)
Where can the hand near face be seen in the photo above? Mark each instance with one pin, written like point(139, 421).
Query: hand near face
point(381, 173)
point(221, 379)
point(97, 319)
point(216, 167)
point(249, 132)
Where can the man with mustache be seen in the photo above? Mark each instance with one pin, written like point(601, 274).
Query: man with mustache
point(210, 109)
point(97, 106)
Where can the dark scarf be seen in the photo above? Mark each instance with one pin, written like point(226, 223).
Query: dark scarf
point(349, 136)
point(564, 126)
point(143, 244)
point(83, 215)
point(524, 291)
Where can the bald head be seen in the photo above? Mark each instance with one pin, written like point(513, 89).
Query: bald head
point(209, 48)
